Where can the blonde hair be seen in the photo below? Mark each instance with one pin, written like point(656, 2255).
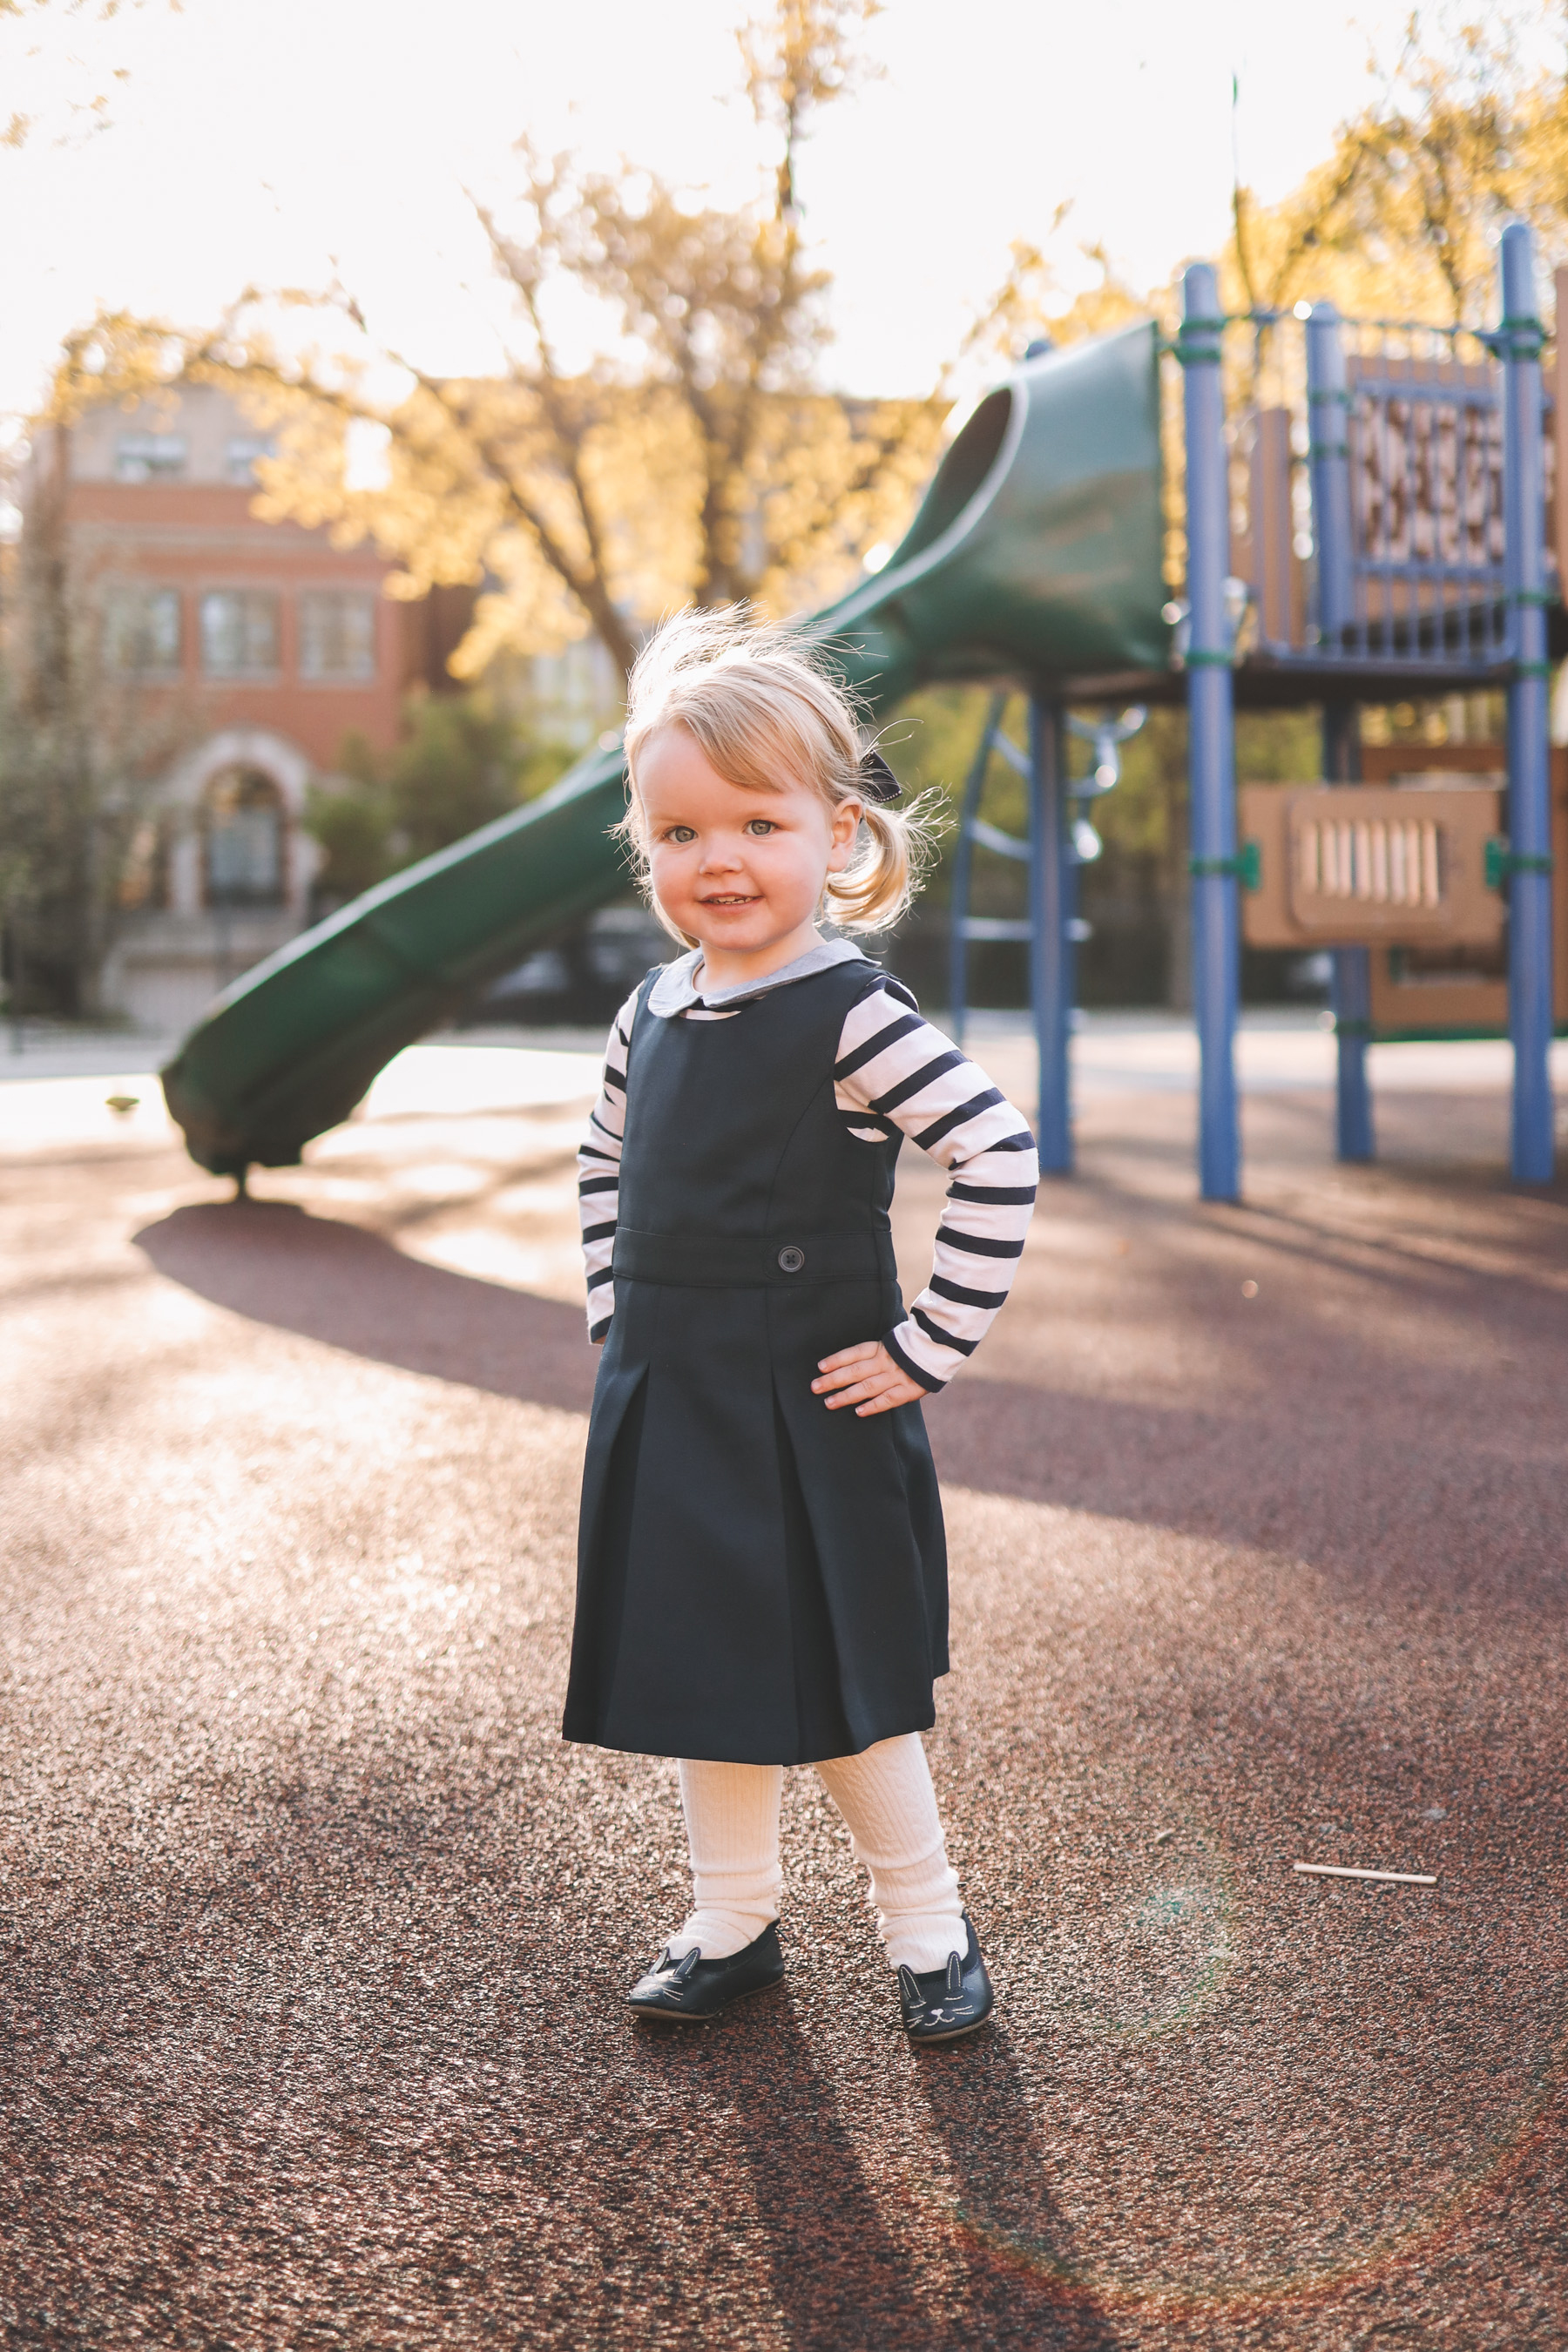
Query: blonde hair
point(766, 712)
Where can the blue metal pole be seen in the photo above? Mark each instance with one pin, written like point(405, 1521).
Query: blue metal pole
point(1328, 450)
point(963, 873)
point(1211, 739)
point(1328, 403)
point(1050, 913)
point(1530, 787)
point(1351, 991)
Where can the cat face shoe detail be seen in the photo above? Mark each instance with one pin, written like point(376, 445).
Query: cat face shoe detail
point(941, 2004)
point(691, 1989)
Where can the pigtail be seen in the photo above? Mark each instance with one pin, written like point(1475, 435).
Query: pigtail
point(895, 848)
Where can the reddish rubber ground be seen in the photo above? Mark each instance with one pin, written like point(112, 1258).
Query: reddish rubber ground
point(315, 1935)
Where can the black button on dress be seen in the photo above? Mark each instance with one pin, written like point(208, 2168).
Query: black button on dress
point(760, 1580)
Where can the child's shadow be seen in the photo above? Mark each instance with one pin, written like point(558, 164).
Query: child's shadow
point(841, 2278)
point(1025, 2254)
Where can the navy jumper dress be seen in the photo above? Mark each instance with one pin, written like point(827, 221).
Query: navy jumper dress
point(760, 1580)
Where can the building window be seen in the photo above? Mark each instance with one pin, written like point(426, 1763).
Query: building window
point(244, 449)
point(148, 457)
point(239, 631)
point(141, 629)
point(244, 828)
point(577, 693)
point(337, 633)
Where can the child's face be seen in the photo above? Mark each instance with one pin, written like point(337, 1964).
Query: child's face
point(739, 871)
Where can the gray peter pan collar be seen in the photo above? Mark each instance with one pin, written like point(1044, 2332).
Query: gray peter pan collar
point(674, 992)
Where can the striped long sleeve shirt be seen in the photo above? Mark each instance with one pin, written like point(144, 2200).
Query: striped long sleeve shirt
point(894, 1071)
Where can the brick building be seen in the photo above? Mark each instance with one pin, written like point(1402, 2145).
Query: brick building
point(262, 643)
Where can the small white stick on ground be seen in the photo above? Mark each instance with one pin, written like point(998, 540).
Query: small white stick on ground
point(1338, 1869)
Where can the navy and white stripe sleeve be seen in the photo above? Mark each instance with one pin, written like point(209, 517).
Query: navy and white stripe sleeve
point(894, 1070)
point(599, 1174)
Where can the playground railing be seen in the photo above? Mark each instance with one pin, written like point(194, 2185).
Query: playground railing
point(1369, 521)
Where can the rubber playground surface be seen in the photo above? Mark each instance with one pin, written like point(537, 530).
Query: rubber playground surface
point(316, 1935)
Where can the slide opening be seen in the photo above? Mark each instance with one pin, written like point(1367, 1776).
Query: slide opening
point(961, 471)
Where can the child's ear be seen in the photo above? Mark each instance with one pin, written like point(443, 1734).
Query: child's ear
point(847, 816)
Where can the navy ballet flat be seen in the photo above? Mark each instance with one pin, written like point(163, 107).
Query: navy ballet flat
point(691, 1989)
point(941, 2004)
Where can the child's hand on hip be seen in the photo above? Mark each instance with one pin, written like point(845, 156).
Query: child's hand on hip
point(867, 1378)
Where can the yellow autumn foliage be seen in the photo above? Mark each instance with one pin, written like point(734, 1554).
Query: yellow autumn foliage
point(1402, 220)
point(696, 459)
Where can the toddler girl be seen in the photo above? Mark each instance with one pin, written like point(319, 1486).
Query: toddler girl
point(763, 1573)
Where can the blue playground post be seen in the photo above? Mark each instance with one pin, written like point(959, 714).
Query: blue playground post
point(963, 861)
point(1211, 737)
point(962, 870)
point(1352, 990)
point(1328, 402)
point(1051, 912)
point(1530, 787)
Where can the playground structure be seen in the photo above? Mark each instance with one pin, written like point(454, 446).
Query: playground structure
point(1425, 482)
point(1396, 547)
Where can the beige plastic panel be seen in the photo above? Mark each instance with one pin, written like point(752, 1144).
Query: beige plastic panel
point(1264, 555)
point(1365, 866)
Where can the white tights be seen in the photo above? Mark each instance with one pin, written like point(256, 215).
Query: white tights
point(885, 1796)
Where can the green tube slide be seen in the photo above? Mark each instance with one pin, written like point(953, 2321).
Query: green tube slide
point(1036, 555)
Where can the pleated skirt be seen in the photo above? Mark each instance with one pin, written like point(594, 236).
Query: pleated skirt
point(760, 1580)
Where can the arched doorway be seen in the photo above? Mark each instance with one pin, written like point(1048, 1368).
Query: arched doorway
point(244, 821)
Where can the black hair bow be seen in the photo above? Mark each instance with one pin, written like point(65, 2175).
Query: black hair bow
point(877, 781)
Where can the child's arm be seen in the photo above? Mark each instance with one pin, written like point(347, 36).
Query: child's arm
point(598, 1175)
point(894, 1070)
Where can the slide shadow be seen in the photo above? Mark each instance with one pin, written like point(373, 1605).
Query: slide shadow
point(350, 1288)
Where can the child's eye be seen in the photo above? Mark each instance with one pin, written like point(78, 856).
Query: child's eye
point(760, 825)
point(680, 833)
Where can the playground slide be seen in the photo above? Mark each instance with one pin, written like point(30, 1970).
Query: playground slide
point(1036, 553)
